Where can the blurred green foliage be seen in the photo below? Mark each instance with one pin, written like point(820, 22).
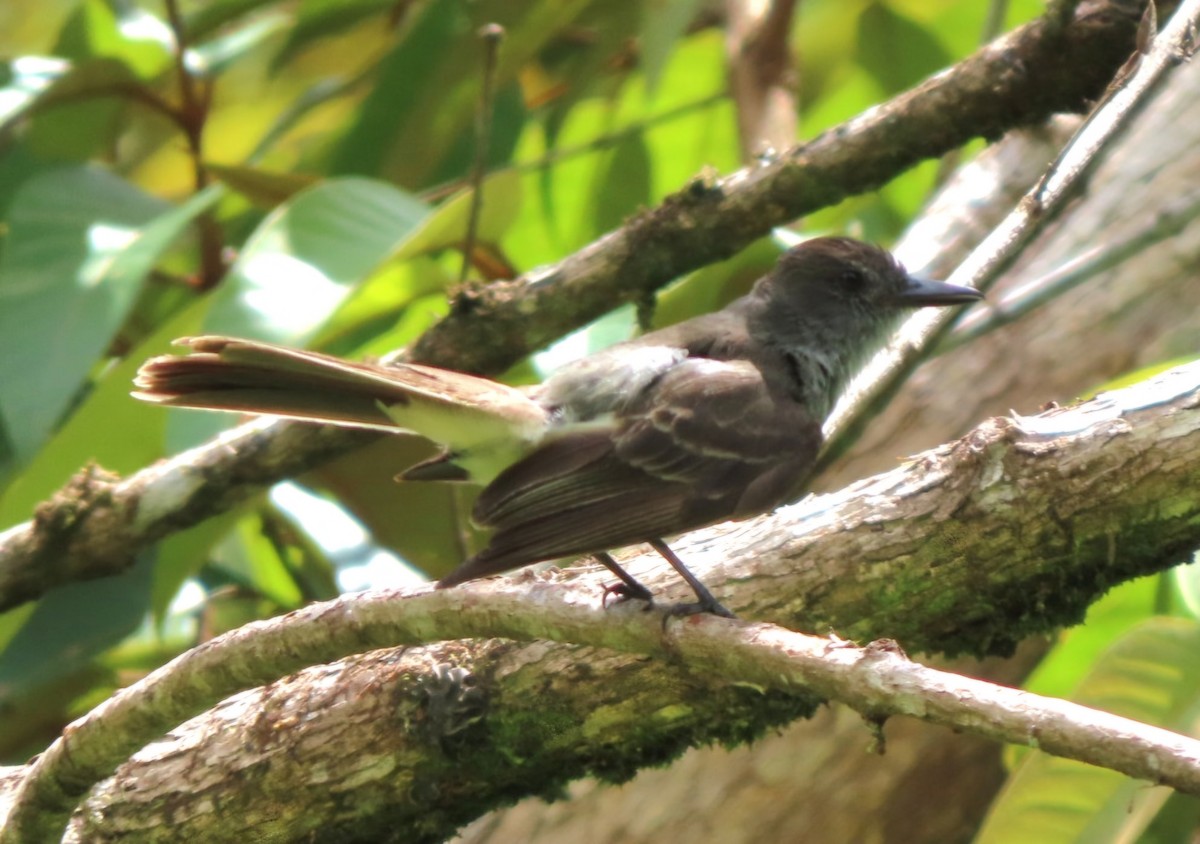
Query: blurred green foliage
point(299, 174)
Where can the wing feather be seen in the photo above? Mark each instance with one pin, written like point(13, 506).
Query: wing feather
point(709, 440)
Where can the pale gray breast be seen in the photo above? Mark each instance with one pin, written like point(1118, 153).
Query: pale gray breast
point(592, 388)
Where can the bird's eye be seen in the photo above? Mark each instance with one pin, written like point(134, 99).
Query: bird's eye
point(853, 278)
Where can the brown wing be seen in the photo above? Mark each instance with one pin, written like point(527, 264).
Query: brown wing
point(711, 440)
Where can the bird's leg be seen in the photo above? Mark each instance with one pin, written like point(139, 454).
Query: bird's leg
point(707, 602)
point(628, 588)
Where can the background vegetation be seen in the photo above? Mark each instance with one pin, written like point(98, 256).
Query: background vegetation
point(300, 172)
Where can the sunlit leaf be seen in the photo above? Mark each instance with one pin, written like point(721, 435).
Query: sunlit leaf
point(26, 79)
point(663, 23)
point(308, 255)
point(262, 187)
point(1149, 674)
point(205, 18)
point(68, 274)
point(248, 556)
point(1187, 583)
point(318, 19)
point(127, 33)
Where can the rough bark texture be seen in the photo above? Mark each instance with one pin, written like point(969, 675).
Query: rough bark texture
point(1019, 80)
point(925, 554)
point(1143, 312)
point(1138, 314)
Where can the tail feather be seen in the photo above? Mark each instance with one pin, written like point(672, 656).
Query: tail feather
point(465, 413)
point(249, 377)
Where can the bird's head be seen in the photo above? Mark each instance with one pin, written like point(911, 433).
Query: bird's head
point(841, 274)
point(831, 302)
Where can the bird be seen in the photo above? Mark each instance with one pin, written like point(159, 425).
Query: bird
point(714, 418)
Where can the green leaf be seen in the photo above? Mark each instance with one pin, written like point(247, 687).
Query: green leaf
point(379, 305)
point(395, 305)
point(136, 38)
point(390, 111)
point(407, 132)
point(897, 52)
point(182, 554)
point(249, 558)
point(77, 116)
point(90, 434)
point(1150, 674)
point(228, 52)
point(702, 132)
point(508, 121)
point(26, 79)
point(65, 631)
point(308, 256)
point(319, 19)
point(206, 18)
point(95, 624)
point(68, 276)
point(265, 188)
point(623, 186)
point(447, 225)
point(663, 22)
point(1186, 580)
point(1062, 670)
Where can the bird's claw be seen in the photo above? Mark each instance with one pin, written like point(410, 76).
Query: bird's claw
point(622, 592)
point(710, 606)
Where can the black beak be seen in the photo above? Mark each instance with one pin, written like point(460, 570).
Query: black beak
point(923, 292)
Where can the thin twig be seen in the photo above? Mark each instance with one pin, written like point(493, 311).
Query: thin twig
point(491, 35)
point(1166, 223)
point(195, 105)
point(883, 376)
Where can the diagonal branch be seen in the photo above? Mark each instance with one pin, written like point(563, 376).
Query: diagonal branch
point(1020, 79)
point(888, 371)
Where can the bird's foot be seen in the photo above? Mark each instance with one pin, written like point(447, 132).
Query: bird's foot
point(622, 592)
point(628, 589)
point(708, 605)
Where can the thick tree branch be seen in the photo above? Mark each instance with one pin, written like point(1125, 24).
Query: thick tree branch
point(1021, 79)
point(1117, 475)
point(435, 704)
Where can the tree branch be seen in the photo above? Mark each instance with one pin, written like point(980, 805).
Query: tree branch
point(1117, 476)
point(1018, 80)
point(96, 525)
point(761, 74)
point(880, 380)
point(1021, 79)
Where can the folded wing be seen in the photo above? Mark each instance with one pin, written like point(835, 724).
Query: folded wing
point(711, 440)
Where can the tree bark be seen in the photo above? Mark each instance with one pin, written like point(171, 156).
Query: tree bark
point(812, 782)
